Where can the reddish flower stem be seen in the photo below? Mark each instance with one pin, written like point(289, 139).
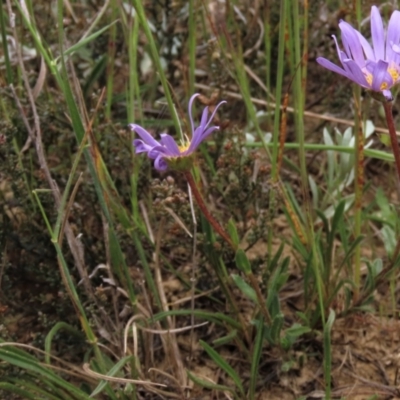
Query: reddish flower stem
point(217, 227)
point(200, 202)
point(388, 107)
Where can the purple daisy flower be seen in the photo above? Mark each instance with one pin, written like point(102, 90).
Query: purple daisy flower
point(167, 152)
point(377, 68)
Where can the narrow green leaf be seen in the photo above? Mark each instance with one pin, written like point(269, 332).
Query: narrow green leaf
point(223, 365)
point(225, 339)
point(17, 390)
point(71, 50)
point(46, 390)
point(323, 219)
point(112, 372)
point(34, 366)
point(351, 249)
point(274, 262)
point(53, 331)
point(328, 351)
point(255, 359)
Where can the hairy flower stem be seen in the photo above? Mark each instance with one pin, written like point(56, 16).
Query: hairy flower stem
point(217, 227)
point(200, 202)
point(358, 188)
point(388, 107)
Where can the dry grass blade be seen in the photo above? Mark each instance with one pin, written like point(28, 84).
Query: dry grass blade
point(130, 323)
point(41, 79)
point(189, 298)
point(93, 374)
point(146, 220)
point(68, 368)
point(176, 330)
point(170, 344)
point(292, 110)
point(178, 220)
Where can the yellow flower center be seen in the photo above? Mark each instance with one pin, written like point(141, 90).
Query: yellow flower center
point(185, 144)
point(183, 147)
point(393, 72)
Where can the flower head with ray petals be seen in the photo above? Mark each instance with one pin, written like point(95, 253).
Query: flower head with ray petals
point(377, 68)
point(167, 153)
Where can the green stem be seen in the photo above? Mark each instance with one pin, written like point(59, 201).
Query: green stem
point(277, 120)
point(3, 32)
point(192, 46)
point(141, 16)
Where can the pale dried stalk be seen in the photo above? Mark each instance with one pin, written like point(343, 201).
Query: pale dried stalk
point(36, 135)
point(308, 114)
point(170, 344)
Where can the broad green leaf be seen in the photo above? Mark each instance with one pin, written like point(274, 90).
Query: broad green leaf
point(245, 288)
point(207, 384)
point(233, 232)
point(242, 262)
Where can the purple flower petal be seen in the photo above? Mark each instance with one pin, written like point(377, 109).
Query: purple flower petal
point(165, 152)
point(331, 66)
point(388, 95)
point(376, 68)
point(380, 75)
point(341, 55)
point(396, 48)
point(156, 151)
point(356, 74)
point(204, 116)
point(209, 131)
point(196, 142)
point(140, 146)
point(351, 43)
point(169, 143)
point(393, 36)
point(198, 135)
point(369, 53)
point(213, 113)
point(378, 36)
point(146, 137)
point(190, 106)
point(160, 164)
